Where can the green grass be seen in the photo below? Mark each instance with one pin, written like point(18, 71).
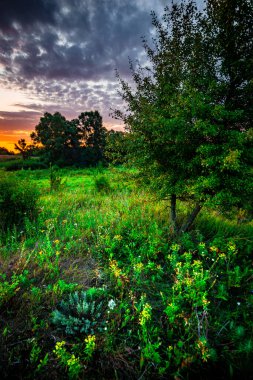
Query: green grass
point(175, 314)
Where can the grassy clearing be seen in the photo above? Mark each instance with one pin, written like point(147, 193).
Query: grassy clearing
point(157, 308)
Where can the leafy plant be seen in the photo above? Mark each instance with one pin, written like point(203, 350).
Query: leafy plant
point(56, 181)
point(102, 184)
point(18, 201)
point(82, 313)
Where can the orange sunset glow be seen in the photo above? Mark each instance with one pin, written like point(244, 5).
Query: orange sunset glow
point(55, 59)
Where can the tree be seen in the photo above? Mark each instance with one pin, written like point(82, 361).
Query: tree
point(190, 114)
point(5, 151)
point(25, 149)
point(92, 136)
point(58, 136)
point(116, 147)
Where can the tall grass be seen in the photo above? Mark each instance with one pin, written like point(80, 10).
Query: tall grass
point(177, 306)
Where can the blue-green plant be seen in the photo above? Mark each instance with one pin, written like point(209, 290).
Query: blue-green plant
point(81, 313)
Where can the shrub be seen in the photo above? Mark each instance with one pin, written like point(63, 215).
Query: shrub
point(56, 181)
point(82, 312)
point(102, 184)
point(25, 165)
point(18, 201)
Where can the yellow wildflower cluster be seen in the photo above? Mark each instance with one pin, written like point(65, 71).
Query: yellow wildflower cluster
point(138, 267)
point(114, 268)
point(90, 345)
point(72, 361)
point(145, 314)
point(90, 340)
point(58, 348)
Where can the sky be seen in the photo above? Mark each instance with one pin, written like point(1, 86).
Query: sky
point(61, 55)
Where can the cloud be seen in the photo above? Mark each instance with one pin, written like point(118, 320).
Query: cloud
point(80, 39)
point(63, 53)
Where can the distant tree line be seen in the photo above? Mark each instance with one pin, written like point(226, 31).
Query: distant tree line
point(82, 141)
point(4, 151)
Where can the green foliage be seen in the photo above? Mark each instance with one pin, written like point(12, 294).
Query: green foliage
point(68, 360)
point(18, 202)
point(190, 112)
point(156, 306)
point(82, 313)
point(31, 164)
point(116, 147)
point(9, 288)
point(56, 181)
point(102, 184)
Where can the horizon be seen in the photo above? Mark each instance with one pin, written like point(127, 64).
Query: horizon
point(61, 56)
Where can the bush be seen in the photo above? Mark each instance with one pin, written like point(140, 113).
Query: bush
point(18, 201)
point(56, 181)
point(102, 184)
point(28, 164)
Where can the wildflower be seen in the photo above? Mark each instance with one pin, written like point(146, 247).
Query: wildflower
point(111, 304)
point(40, 252)
point(145, 314)
point(56, 241)
point(57, 253)
point(72, 360)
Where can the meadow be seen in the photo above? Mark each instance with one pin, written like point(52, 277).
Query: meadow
point(93, 285)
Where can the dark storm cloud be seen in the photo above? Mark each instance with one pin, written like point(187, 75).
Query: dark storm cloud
point(80, 39)
point(62, 53)
point(26, 12)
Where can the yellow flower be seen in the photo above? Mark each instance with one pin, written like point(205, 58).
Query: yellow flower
point(145, 314)
point(57, 241)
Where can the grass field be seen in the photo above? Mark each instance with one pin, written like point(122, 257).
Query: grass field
point(95, 287)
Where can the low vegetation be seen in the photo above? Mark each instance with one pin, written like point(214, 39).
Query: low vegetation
point(143, 271)
point(94, 286)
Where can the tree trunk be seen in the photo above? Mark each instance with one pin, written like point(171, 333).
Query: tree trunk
point(173, 213)
point(186, 226)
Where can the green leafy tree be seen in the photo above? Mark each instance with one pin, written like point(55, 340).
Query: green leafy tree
point(190, 113)
point(116, 146)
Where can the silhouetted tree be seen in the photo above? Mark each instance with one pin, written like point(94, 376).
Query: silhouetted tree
point(5, 151)
point(25, 149)
point(58, 136)
point(92, 136)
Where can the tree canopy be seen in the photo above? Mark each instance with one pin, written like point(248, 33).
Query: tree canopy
point(77, 140)
point(191, 110)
